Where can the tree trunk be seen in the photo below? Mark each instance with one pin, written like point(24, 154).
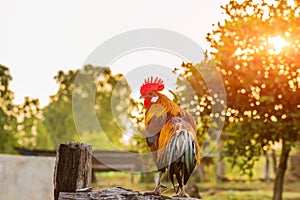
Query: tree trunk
point(268, 175)
point(278, 184)
point(274, 161)
point(73, 168)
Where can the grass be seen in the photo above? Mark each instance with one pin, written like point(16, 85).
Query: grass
point(249, 190)
point(250, 195)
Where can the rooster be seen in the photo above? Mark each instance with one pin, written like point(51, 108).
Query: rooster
point(170, 136)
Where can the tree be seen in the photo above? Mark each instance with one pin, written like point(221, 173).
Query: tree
point(257, 52)
point(109, 94)
point(8, 119)
point(58, 121)
point(29, 115)
point(19, 124)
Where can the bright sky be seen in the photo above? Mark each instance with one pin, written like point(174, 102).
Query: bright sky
point(39, 38)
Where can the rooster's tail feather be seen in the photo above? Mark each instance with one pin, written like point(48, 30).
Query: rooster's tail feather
point(181, 155)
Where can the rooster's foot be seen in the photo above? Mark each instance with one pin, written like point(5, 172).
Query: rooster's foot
point(181, 193)
point(155, 192)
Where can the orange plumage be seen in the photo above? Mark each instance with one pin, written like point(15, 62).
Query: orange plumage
point(170, 135)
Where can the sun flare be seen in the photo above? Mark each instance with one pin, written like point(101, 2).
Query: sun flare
point(277, 44)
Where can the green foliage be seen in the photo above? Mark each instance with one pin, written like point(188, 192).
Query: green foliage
point(59, 123)
point(29, 116)
point(43, 140)
point(8, 119)
point(109, 93)
point(99, 141)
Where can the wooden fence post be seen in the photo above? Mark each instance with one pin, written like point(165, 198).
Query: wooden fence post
point(73, 168)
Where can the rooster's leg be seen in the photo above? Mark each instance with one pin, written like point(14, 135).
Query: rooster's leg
point(181, 192)
point(156, 190)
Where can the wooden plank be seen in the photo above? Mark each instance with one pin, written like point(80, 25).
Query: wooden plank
point(117, 167)
point(117, 160)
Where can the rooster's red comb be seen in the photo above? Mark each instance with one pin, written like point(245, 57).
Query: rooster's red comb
point(150, 84)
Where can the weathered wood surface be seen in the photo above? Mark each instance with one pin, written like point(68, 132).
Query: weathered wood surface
point(73, 167)
point(114, 193)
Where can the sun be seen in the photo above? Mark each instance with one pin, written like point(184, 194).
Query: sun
point(277, 44)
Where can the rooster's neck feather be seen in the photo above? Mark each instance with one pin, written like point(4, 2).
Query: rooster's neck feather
point(171, 107)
